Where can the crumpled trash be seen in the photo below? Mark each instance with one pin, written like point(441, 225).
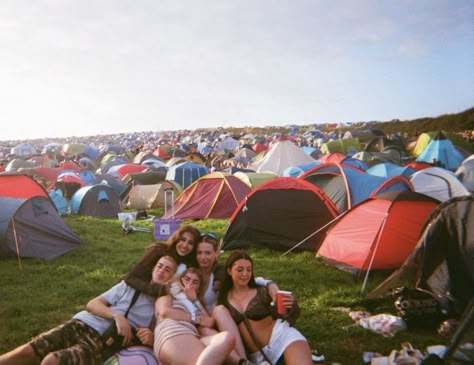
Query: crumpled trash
point(386, 325)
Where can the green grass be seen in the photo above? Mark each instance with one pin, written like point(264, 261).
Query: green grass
point(45, 293)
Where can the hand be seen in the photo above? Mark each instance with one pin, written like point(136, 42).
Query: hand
point(272, 291)
point(124, 329)
point(288, 301)
point(146, 336)
point(206, 321)
point(189, 291)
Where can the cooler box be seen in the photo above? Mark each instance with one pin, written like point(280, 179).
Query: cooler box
point(164, 228)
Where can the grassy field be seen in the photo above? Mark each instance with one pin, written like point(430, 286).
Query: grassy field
point(41, 294)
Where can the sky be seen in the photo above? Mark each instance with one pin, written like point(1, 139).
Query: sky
point(89, 67)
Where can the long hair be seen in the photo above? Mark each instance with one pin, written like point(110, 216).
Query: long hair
point(170, 245)
point(227, 284)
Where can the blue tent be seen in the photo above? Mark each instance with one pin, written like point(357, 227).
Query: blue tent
point(347, 185)
point(186, 173)
point(441, 151)
point(388, 169)
point(98, 200)
point(298, 170)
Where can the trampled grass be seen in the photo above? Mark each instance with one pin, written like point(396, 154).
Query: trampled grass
point(45, 293)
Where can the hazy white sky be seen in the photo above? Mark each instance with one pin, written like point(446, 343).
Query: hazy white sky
point(85, 67)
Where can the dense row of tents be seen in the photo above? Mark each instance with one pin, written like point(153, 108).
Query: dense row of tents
point(363, 202)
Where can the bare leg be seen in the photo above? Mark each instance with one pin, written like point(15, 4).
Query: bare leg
point(218, 348)
point(233, 358)
point(298, 353)
point(172, 350)
point(50, 359)
point(225, 322)
point(22, 355)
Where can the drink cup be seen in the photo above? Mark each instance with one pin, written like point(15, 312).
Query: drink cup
point(280, 301)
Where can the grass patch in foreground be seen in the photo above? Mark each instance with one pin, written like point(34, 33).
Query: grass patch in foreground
point(46, 293)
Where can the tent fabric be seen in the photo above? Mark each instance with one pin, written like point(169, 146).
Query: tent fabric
point(255, 179)
point(279, 214)
point(30, 225)
point(281, 156)
point(388, 169)
point(99, 200)
point(214, 195)
point(438, 183)
point(186, 173)
point(465, 173)
point(347, 185)
point(124, 169)
point(20, 186)
point(379, 233)
point(443, 259)
point(151, 196)
point(441, 151)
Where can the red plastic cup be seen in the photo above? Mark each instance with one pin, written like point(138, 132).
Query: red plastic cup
point(281, 309)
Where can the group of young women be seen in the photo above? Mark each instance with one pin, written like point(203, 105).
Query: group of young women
point(217, 314)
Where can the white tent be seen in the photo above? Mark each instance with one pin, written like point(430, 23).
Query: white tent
point(282, 155)
point(438, 183)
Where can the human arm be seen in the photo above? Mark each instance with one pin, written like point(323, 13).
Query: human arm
point(146, 336)
point(271, 286)
point(139, 276)
point(100, 307)
point(164, 309)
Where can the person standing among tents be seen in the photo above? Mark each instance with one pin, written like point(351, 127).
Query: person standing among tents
point(266, 335)
point(181, 245)
point(79, 340)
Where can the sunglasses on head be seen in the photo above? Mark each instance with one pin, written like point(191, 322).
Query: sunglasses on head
point(209, 234)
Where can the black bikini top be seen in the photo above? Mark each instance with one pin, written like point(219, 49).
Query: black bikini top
point(257, 309)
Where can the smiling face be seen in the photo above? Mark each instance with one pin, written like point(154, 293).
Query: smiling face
point(185, 244)
point(206, 255)
point(240, 272)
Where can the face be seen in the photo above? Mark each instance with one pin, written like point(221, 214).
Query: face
point(163, 270)
point(240, 272)
point(206, 256)
point(185, 244)
point(191, 280)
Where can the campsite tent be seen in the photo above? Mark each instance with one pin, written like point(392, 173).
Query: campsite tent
point(281, 156)
point(255, 179)
point(438, 183)
point(30, 225)
point(186, 173)
point(99, 200)
point(379, 233)
point(150, 196)
point(279, 214)
point(347, 185)
point(214, 195)
point(465, 173)
point(441, 150)
point(388, 169)
point(443, 259)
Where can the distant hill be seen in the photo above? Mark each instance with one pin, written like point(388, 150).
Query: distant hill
point(456, 123)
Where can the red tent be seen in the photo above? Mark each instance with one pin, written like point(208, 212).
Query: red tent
point(213, 195)
point(378, 233)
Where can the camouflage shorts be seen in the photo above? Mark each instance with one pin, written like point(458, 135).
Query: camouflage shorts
point(73, 343)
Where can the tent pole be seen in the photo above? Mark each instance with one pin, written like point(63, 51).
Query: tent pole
point(312, 234)
point(16, 244)
point(373, 255)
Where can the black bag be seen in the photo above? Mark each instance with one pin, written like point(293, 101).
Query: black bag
point(418, 307)
point(113, 342)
